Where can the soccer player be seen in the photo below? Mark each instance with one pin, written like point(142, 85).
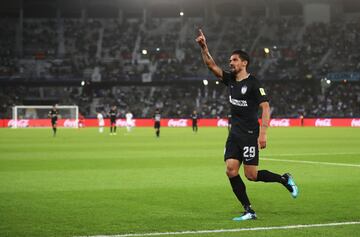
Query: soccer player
point(157, 118)
point(194, 118)
point(113, 115)
point(81, 122)
point(101, 121)
point(246, 95)
point(129, 121)
point(53, 114)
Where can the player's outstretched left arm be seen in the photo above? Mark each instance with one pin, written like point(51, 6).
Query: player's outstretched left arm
point(265, 118)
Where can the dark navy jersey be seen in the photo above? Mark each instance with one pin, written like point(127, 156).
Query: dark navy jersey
point(157, 117)
point(113, 113)
point(53, 114)
point(194, 116)
point(244, 97)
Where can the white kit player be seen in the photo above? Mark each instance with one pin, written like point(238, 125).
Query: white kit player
point(101, 121)
point(129, 121)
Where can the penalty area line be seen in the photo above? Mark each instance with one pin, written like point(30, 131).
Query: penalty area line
point(231, 230)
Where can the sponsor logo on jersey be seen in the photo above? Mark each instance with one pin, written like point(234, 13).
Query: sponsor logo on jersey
point(243, 90)
point(240, 103)
point(323, 122)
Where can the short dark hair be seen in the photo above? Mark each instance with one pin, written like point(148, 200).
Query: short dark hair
point(243, 55)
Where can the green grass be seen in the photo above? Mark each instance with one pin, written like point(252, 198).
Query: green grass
point(86, 183)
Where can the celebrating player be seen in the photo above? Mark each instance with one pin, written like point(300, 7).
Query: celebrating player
point(246, 95)
point(113, 115)
point(53, 114)
point(157, 118)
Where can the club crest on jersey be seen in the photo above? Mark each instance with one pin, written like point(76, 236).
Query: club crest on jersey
point(262, 91)
point(243, 90)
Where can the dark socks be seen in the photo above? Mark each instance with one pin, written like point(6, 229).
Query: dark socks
point(267, 176)
point(111, 129)
point(157, 133)
point(54, 129)
point(239, 190)
point(114, 129)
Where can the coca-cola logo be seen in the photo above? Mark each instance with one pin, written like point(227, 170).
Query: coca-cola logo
point(69, 123)
point(121, 123)
point(22, 123)
point(177, 123)
point(355, 123)
point(323, 122)
point(222, 123)
point(280, 122)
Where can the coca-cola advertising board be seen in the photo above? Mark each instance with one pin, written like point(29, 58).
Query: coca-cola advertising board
point(222, 122)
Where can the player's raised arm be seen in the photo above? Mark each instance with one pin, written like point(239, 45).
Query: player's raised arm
point(209, 61)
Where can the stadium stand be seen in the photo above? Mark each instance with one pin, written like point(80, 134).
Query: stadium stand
point(143, 64)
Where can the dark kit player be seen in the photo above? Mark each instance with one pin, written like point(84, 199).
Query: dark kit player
point(113, 115)
point(53, 115)
point(194, 117)
point(157, 118)
point(246, 95)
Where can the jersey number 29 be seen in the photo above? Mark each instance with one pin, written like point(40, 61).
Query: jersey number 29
point(249, 151)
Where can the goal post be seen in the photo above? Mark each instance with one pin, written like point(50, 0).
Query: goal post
point(28, 112)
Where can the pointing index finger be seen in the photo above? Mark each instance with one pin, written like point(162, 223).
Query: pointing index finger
point(201, 33)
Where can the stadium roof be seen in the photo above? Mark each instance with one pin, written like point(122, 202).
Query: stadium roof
point(158, 8)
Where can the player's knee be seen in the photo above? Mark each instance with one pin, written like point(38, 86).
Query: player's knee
point(251, 176)
point(230, 172)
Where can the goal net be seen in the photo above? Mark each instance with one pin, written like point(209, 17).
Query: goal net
point(22, 114)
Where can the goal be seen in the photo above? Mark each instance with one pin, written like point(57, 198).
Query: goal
point(28, 112)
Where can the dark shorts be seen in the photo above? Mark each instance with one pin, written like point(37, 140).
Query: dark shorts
point(112, 121)
point(194, 123)
point(53, 122)
point(243, 148)
point(157, 124)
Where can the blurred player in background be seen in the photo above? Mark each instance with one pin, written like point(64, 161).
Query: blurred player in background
point(101, 121)
point(129, 121)
point(246, 95)
point(81, 122)
point(194, 117)
point(113, 115)
point(157, 118)
point(53, 114)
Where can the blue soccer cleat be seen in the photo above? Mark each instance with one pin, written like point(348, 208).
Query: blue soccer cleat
point(245, 216)
point(291, 186)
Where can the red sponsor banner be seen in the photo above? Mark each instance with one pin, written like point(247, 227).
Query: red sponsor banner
point(282, 122)
point(25, 123)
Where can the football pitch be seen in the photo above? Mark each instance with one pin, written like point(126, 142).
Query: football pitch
point(83, 183)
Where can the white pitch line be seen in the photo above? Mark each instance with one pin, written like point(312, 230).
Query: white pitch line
point(312, 162)
point(315, 154)
point(232, 230)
